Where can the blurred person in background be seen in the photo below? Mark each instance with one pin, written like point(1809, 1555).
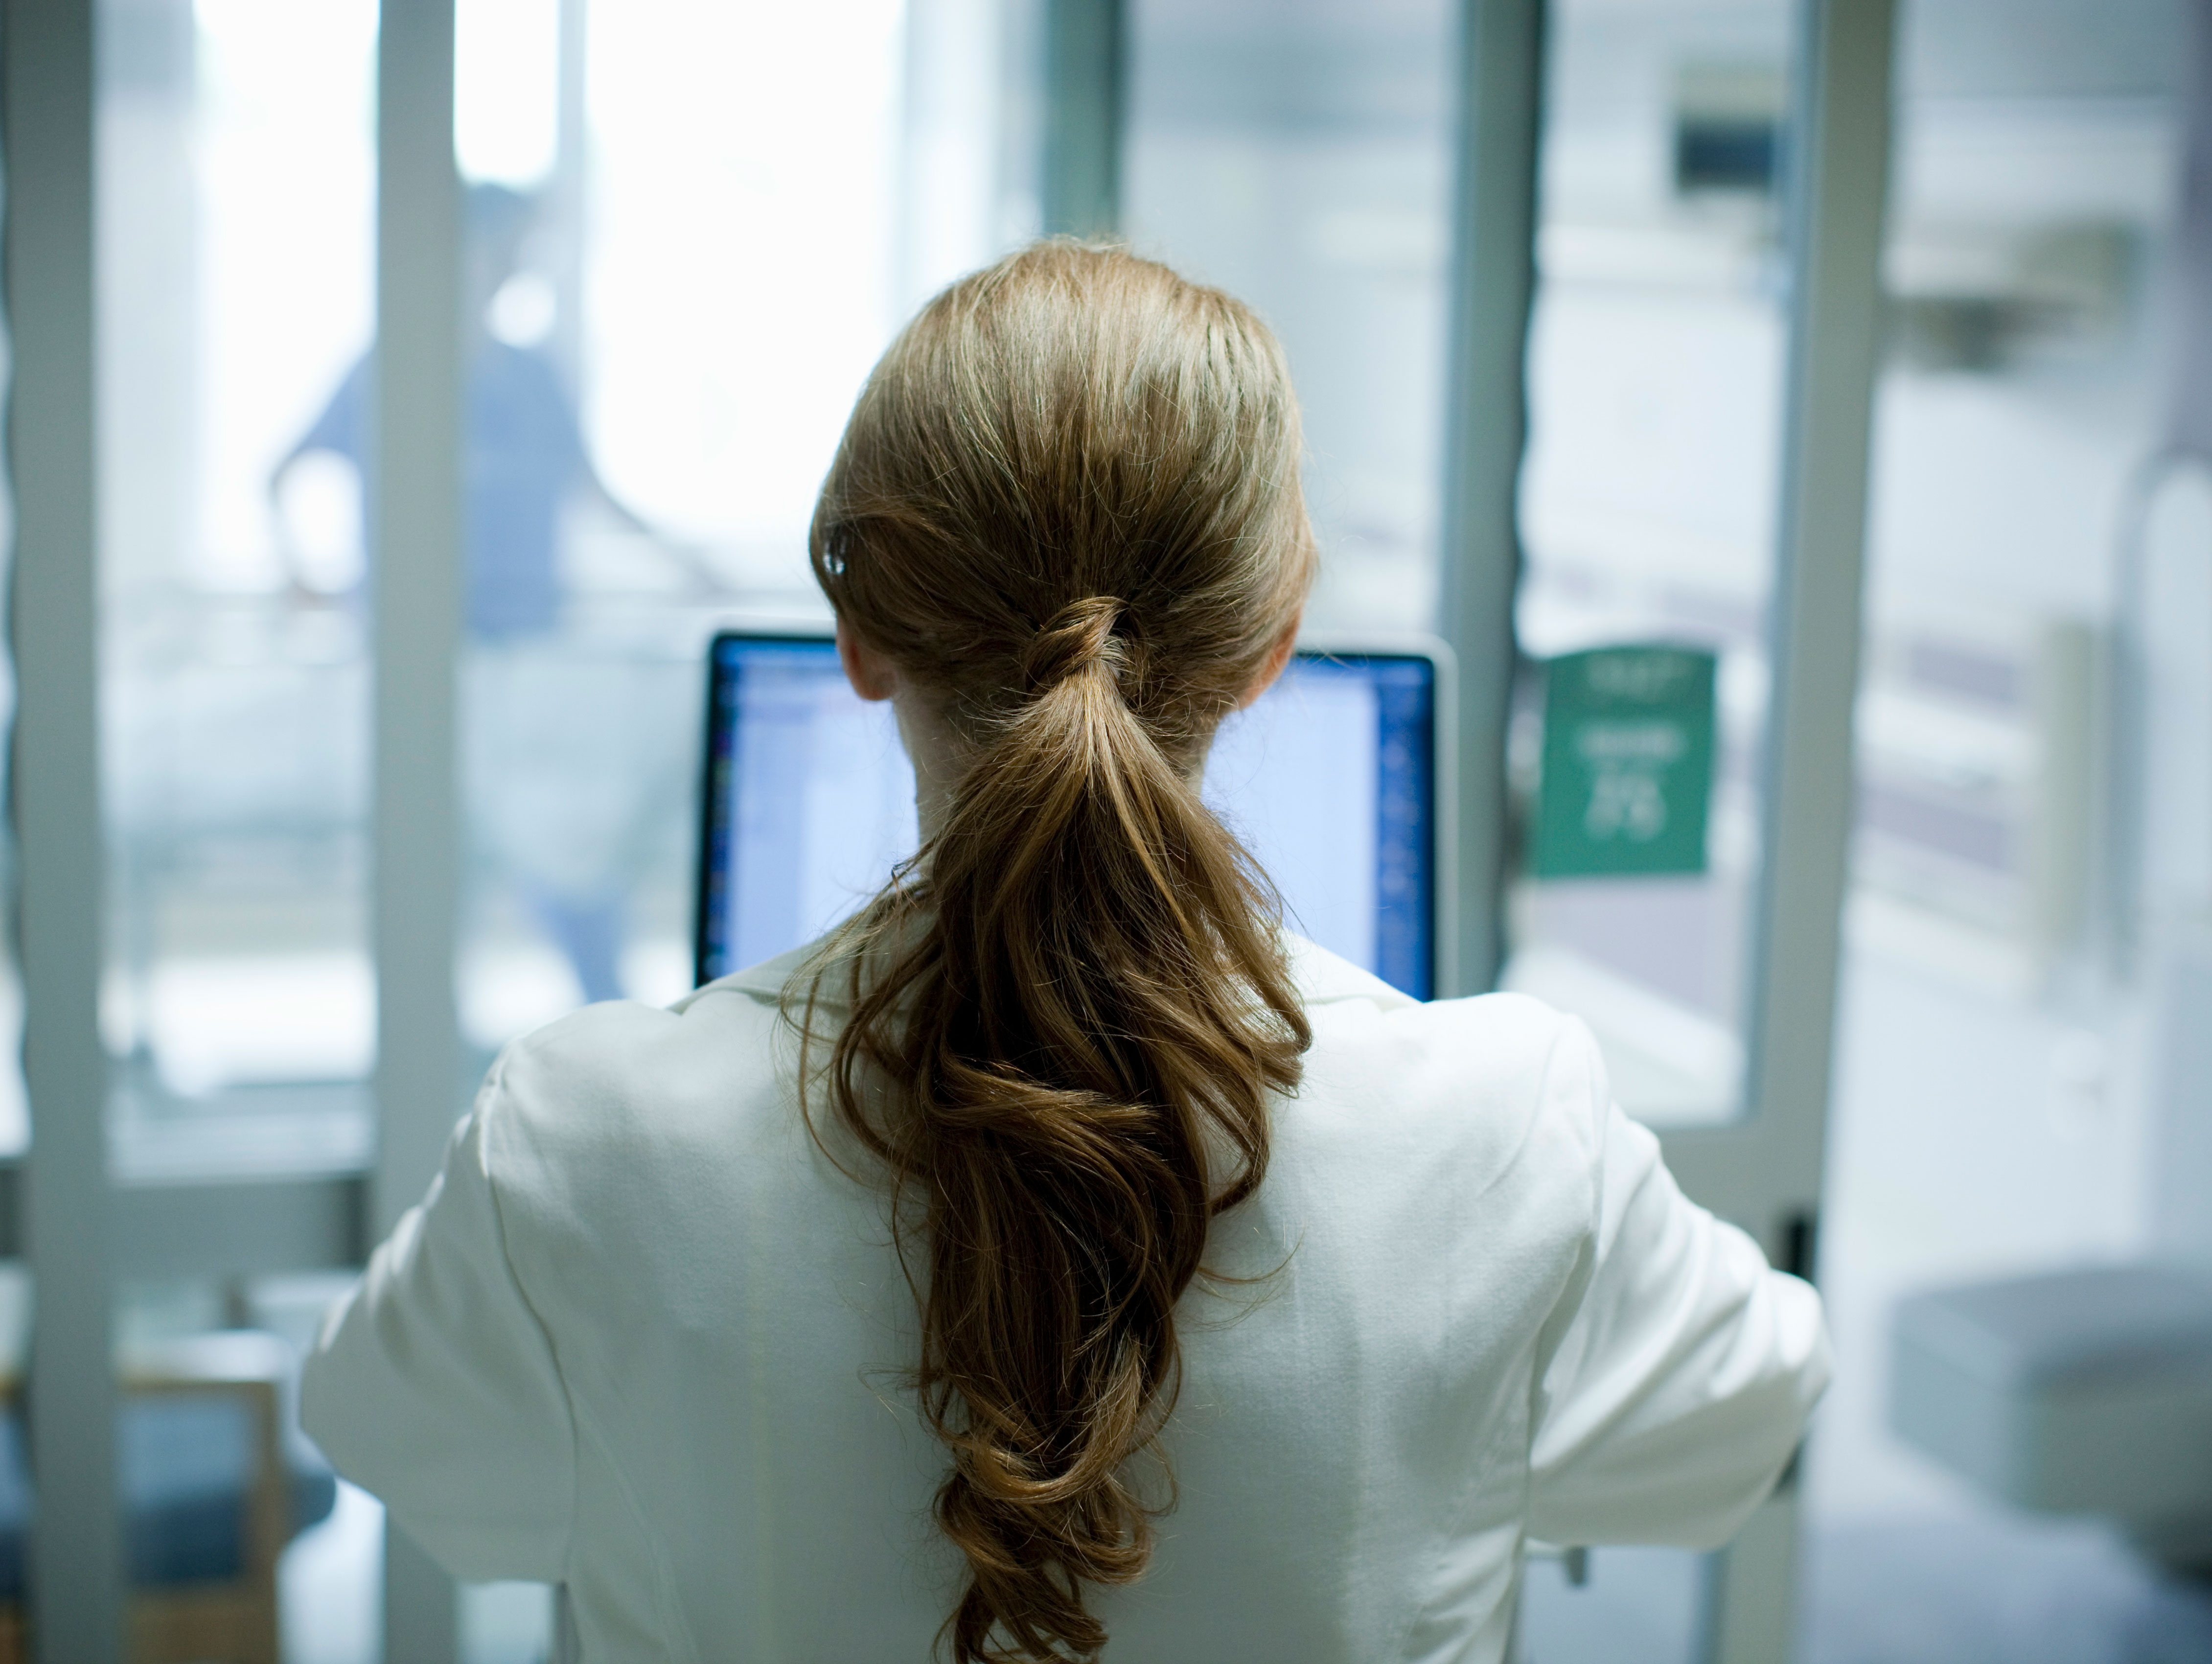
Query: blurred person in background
point(558, 832)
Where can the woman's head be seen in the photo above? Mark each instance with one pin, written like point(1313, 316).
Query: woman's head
point(1067, 516)
point(1073, 462)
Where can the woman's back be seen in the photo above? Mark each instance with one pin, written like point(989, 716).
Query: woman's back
point(649, 1341)
point(1060, 1255)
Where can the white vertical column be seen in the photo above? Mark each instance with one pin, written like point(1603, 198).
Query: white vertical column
point(1841, 138)
point(417, 551)
point(1086, 49)
point(1485, 431)
point(47, 91)
point(1839, 191)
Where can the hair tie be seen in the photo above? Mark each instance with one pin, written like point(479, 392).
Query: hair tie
point(1078, 636)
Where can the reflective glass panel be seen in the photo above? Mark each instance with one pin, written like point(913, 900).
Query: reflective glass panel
point(2013, 1093)
point(692, 229)
point(1300, 157)
point(236, 178)
point(237, 173)
point(1655, 368)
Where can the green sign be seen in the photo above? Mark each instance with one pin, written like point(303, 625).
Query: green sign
point(1628, 762)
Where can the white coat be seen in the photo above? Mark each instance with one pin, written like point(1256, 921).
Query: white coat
point(643, 1339)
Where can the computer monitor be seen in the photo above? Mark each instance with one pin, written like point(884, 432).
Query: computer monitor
point(1334, 780)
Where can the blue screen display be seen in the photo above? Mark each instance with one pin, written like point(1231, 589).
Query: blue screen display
point(1329, 781)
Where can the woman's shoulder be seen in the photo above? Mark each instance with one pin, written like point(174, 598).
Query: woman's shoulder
point(1511, 1033)
point(622, 1082)
point(1485, 1078)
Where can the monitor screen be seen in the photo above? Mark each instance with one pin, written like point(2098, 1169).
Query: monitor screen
point(1329, 781)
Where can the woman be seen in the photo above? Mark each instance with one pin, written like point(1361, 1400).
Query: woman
point(1061, 1257)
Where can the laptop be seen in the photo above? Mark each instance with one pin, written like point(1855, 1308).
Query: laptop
point(1337, 780)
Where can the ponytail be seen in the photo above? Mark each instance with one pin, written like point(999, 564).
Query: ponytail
point(1067, 1024)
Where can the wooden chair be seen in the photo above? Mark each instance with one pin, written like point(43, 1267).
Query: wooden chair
point(209, 1501)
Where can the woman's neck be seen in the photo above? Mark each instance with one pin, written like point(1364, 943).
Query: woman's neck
point(934, 749)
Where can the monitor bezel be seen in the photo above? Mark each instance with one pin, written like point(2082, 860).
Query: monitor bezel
point(1444, 754)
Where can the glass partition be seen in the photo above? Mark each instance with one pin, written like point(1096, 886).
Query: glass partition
point(1648, 497)
point(2040, 305)
point(1300, 157)
point(690, 238)
point(235, 192)
point(237, 175)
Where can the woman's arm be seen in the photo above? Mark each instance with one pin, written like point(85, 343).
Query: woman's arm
point(1682, 1382)
point(435, 1386)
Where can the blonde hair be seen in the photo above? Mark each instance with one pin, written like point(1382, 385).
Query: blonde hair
point(1067, 509)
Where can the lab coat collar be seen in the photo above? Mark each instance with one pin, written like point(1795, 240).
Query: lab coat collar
point(1323, 979)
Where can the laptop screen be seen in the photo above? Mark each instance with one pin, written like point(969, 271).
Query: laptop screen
point(1330, 780)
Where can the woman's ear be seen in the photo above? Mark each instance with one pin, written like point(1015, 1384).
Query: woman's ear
point(1278, 656)
point(872, 676)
